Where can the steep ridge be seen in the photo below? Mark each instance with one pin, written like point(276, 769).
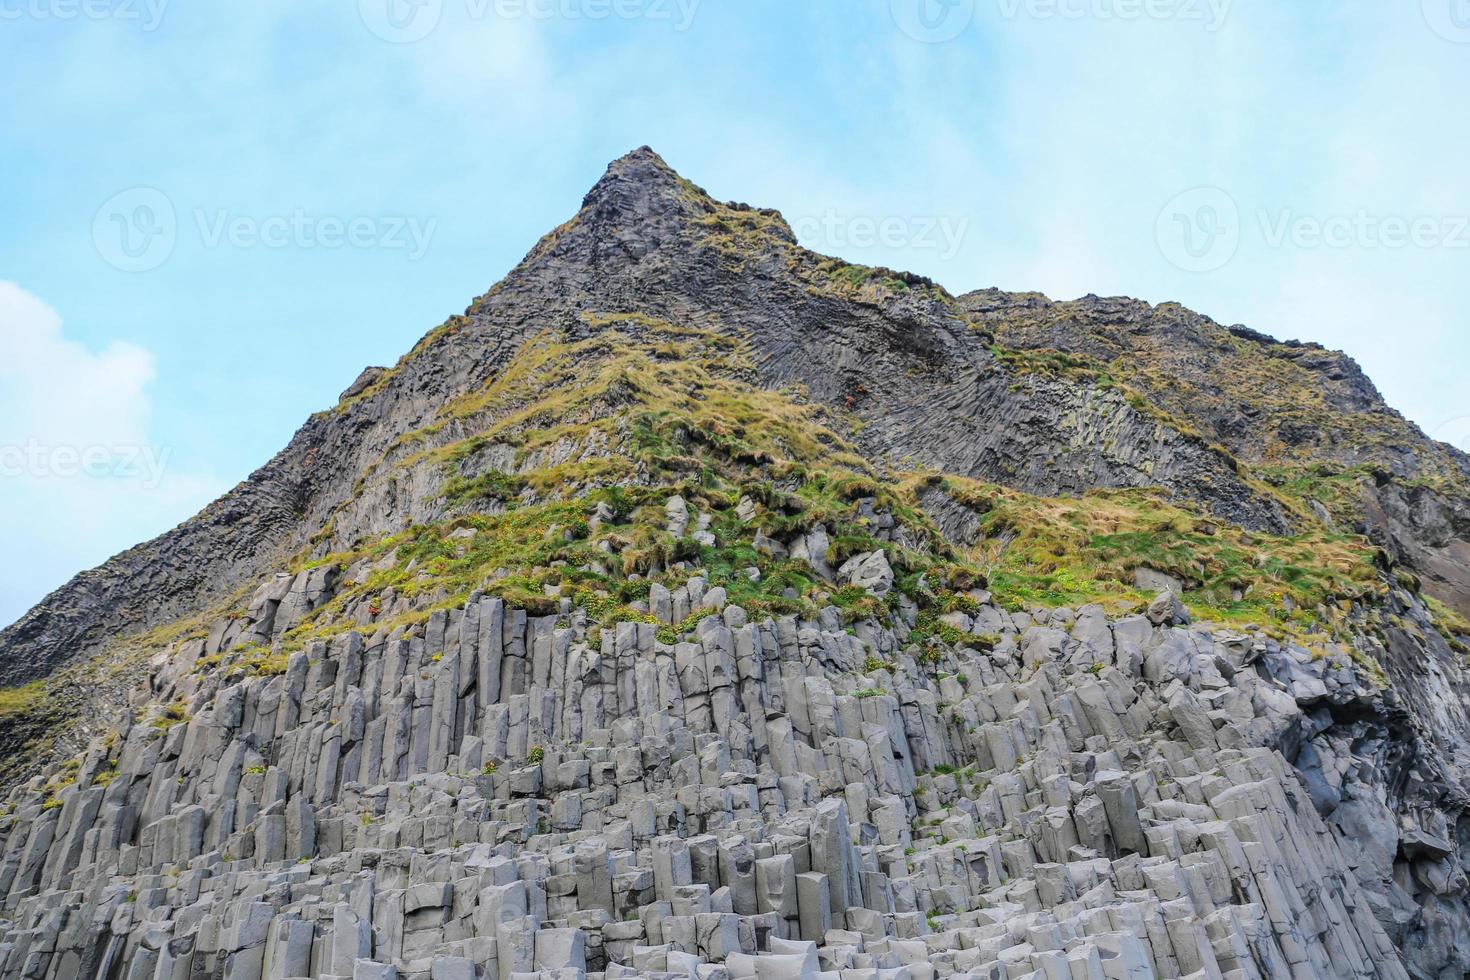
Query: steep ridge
point(1306, 419)
point(694, 603)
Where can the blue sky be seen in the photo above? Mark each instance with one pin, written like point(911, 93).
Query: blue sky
point(215, 214)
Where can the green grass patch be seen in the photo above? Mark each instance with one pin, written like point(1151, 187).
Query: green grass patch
point(15, 701)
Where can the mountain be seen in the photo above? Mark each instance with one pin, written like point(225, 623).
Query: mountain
point(1307, 422)
point(695, 602)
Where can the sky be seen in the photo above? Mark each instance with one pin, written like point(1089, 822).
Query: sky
point(213, 215)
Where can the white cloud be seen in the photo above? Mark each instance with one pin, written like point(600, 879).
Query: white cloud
point(485, 62)
point(80, 477)
point(56, 391)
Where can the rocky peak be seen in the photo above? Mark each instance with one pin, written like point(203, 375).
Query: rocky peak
point(641, 206)
point(636, 186)
point(641, 187)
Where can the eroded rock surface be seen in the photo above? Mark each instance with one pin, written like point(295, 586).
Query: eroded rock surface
point(784, 798)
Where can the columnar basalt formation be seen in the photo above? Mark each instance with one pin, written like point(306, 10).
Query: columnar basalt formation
point(1064, 796)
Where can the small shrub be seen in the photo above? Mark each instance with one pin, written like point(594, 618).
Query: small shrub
point(173, 714)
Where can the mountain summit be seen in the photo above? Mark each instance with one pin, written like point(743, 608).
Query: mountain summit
point(695, 604)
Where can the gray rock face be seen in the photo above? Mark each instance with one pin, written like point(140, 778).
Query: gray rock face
point(870, 571)
point(1168, 609)
point(1071, 816)
point(495, 792)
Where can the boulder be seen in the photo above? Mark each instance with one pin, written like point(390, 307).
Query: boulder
point(869, 571)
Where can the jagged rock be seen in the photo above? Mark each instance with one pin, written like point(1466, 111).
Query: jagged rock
point(769, 547)
point(1167, 610)
point(677, 512)
point(868, 571)
point(601, 514)
point(812, 548)
point(1152, 580)
point(1422, 843)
